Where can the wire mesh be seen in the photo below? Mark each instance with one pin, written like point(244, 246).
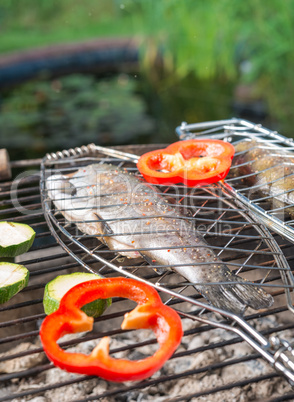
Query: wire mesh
point(242, 243)
point(262, 172)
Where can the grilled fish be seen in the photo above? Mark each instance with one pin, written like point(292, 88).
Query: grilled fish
point(132, 219)
point(270, 171)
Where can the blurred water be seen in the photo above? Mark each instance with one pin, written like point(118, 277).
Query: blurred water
point(46, 114)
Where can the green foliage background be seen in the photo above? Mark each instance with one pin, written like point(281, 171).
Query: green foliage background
point(208, 48)
point(247, 42)
point(46, 115)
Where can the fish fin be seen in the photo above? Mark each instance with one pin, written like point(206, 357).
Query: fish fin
point(111, 242)
point(105, 228)
point(222, 297)
point(236, 297)
point(252, 295)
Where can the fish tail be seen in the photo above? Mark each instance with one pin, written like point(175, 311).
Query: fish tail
point(237, 296)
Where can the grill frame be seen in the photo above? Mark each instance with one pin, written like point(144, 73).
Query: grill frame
point(73, 157)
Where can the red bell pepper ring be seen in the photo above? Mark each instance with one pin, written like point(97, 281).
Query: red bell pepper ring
point(192, 162)
point(150, 313)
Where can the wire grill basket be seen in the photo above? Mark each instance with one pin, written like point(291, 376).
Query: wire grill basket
point(243, 243)
point(262, 174)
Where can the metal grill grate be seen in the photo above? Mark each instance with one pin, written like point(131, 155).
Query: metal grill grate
point(247, 246)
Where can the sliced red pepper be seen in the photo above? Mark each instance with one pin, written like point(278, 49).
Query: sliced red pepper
point(150, 313)
point(191, 162)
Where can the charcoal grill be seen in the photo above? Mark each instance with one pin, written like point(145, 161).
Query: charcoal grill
point(213, 348)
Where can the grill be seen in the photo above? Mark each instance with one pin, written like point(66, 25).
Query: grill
point(213, 362)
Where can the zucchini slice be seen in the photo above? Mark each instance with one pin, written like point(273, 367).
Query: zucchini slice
point(15, 238)
point(56, 289)
point(13, 278)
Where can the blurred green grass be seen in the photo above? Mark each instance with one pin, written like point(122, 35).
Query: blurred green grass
point(27, 24)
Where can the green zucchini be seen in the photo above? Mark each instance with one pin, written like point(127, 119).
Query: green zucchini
point(56, 289)
point(13, 278)
point(15, 238)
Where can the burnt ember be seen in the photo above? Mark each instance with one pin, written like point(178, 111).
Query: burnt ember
point(211, 363)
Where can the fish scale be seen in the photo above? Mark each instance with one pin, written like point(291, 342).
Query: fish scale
point(134, 220)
